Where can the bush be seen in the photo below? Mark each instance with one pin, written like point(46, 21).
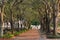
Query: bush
point(16, 33)
point(34, 22)
point(8, 35)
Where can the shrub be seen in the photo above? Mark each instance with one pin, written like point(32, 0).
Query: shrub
point(34, 22)
point(8, 35)
point(16, 33)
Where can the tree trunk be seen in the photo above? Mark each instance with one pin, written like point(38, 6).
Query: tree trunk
point(47, 19)
point(54, 25)
point(55, 12)
point(18, 26)
point(1, 20)
point(21, 27)
point(47, 25)
point(18, 22)
point(12, 27)
point(41, 26)
point(1, 24)
point(7, 24)
point(29, 24)
point(11, 21)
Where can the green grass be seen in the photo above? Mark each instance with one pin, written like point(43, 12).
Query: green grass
point(58, 25)
point(53, 36)
point(10, 35)
point(19, 32)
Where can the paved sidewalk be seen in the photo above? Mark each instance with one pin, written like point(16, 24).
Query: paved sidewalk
point(29, 35)
point(33, 34)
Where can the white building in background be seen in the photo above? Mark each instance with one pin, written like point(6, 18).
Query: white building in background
point(35, 26)
point(15, 25)
point(20, 22)
point(7, 26)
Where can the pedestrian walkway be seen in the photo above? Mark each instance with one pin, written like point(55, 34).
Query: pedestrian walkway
point(29, 35)
point(33, 34)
